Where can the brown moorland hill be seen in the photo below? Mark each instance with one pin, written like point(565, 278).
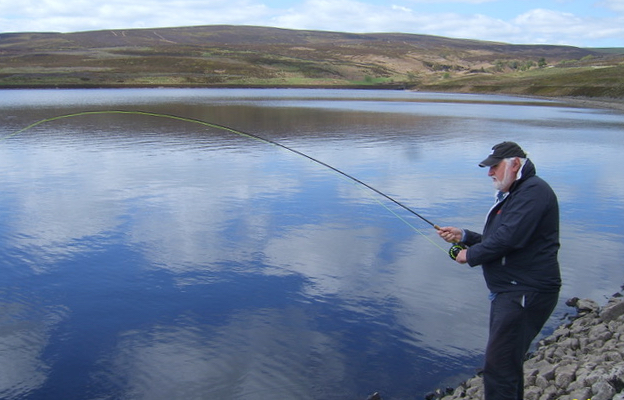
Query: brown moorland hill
point(234, 56)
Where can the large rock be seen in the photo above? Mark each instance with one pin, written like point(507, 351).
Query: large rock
point(613, 310)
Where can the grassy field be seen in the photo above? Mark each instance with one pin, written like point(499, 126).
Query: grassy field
point(242, 56)
point(581, 81)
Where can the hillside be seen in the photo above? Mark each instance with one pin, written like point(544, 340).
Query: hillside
point(246, 56)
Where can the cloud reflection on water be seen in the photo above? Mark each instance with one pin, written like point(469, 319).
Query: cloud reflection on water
point(235, 269)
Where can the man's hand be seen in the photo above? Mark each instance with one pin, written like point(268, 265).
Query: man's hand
point(454, 235)
point(461, 257)
point(450, 234)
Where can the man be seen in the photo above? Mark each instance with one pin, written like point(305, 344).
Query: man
point(518, 254)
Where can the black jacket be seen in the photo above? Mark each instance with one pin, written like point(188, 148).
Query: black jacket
point(520, 241)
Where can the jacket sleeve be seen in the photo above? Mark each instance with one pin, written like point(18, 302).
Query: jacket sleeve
point(518, 220)
point(471, 238)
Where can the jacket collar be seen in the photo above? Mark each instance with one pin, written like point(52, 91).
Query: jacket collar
point(527, 171)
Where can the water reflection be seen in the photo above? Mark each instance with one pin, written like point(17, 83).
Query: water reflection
point(249, 357)
point(26, 324)
point(149, 258)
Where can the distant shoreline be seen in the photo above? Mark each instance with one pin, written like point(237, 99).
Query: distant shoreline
point(589, 102)
point(614, 104)
point(216, 86)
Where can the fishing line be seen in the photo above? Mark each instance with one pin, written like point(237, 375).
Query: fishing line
point(251, 136)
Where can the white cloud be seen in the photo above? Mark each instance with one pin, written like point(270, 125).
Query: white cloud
point(614, 5)
point(453, 1)
point(79, 15)
point(534, 26)
point(554, 27)
point(330, 15)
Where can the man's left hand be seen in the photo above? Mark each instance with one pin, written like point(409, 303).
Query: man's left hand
point(461, 257)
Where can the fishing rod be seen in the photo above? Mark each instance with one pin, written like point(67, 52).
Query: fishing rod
point(241, 133)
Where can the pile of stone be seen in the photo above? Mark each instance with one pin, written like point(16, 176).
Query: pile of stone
point(583, 359)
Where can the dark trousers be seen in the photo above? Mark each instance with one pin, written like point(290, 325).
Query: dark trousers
point(515, 320)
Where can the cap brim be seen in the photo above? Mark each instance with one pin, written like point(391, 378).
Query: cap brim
point(490, 161)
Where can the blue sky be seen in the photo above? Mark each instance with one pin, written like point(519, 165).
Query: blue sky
point(583, 23)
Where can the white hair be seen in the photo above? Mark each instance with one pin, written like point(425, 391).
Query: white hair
point(522, 162)
point(508, 179)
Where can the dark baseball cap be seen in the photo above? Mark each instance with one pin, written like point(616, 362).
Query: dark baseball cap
point(501, 151)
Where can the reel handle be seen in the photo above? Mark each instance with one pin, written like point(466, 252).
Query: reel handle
point(455, 249)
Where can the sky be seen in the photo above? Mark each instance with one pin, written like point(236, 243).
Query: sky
point(581, 23)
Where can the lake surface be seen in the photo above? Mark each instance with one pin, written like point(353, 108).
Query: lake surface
point(144, 257)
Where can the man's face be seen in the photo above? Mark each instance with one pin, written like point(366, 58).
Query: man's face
point(503, 175)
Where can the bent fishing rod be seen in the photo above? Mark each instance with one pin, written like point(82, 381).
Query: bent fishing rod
point(244, 134)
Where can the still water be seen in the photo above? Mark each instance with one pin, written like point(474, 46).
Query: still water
point(150, 258)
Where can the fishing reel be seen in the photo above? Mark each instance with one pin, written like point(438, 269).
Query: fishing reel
point(455, 249)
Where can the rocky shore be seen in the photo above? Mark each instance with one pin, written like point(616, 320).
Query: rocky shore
point(601, 102)
point(582, 359)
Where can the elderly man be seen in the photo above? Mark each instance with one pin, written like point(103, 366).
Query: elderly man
point(518, 254)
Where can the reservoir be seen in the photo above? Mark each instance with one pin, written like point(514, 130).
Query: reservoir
point(151, 250)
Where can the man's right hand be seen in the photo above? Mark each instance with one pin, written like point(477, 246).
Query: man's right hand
point(450, 234)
